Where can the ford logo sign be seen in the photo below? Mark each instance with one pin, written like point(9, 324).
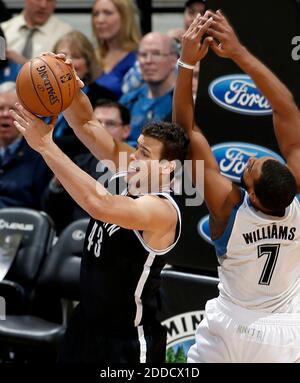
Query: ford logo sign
point(239, 94)
point(232, 157)
point(203, 229)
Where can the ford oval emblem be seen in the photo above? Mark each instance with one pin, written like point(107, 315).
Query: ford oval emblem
point(232, 157)
point(239, 94)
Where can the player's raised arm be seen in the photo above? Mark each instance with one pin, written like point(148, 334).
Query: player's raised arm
point(220, 193)
point(91, 132)
point(286, 115)
point(140, 214)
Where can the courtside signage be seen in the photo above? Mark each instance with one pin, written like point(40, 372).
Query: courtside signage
point(239, 94)
point(181, 331)
point(232, 157)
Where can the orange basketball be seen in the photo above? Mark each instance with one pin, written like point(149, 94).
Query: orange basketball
point(46, 86)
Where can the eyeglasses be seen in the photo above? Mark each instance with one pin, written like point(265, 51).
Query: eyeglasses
point(110, 124)
point(155, 56)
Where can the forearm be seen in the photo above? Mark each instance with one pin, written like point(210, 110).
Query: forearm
point(80, 186)
point(93, 134)
point(183, 103)
point(80, 112)
point(273, 89)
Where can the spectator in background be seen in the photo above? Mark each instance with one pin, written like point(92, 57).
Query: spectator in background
point(34, 31)
point(153, 101)
point(23, 173)
point(9, 69)
point(57, 202)
point(191, 10)
point(116, 28)
point(76, 46)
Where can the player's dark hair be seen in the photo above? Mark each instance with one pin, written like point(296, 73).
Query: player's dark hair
point(276, 187)
point(173, 137)
point(106, 103)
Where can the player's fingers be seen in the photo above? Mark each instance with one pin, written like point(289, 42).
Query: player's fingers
point(19, 127)
point(18, 118)
point(204, 28)
point(25, 113)
point(48, 54)
point(215, 34)
point(217, 26)
point(215, 16)
point(215, 47)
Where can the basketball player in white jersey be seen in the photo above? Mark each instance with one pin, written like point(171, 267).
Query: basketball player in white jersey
point(255, 229)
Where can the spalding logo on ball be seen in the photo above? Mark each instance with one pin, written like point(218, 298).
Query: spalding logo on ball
point(46, 86)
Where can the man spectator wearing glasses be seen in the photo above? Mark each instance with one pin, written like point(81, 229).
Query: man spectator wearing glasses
point(157, 57)
point(57, 202)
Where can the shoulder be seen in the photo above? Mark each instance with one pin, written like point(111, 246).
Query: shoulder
point(130, 58)
point(57, 25)
point(160, 206)
point(14, 22)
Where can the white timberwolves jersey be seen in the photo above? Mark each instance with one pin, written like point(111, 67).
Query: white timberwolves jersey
point(259, 256)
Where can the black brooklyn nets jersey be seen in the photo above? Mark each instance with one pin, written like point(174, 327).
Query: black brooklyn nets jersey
point(120, 275)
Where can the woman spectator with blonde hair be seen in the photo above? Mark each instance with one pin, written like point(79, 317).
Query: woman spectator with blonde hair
point(116, 28)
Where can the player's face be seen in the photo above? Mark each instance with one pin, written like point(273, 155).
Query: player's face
point(106, 20)
point(145, 169)
point(111, 119)
point(37, 12)
point(252, 172)
point(8, 131)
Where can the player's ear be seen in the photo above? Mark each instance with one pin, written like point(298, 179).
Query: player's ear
point(169, 167)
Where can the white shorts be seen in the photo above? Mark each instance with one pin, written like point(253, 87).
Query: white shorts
point(230, 333)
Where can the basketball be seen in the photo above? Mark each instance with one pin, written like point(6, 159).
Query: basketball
point(46, 86)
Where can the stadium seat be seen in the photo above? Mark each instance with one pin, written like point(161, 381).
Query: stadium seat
point(59, 276)
point(26, 236)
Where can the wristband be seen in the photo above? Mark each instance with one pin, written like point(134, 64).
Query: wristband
point(184, 65)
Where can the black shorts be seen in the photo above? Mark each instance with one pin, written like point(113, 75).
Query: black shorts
point(87, 344)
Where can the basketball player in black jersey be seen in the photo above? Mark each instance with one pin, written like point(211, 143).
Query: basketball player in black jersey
point(126, 239)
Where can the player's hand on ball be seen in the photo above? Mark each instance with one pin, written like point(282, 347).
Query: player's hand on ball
point(67, 61)
point(37, 133)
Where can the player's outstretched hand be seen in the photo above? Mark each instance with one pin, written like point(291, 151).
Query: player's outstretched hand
point(37, 133)
point(193, 48)
point(225, 42)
